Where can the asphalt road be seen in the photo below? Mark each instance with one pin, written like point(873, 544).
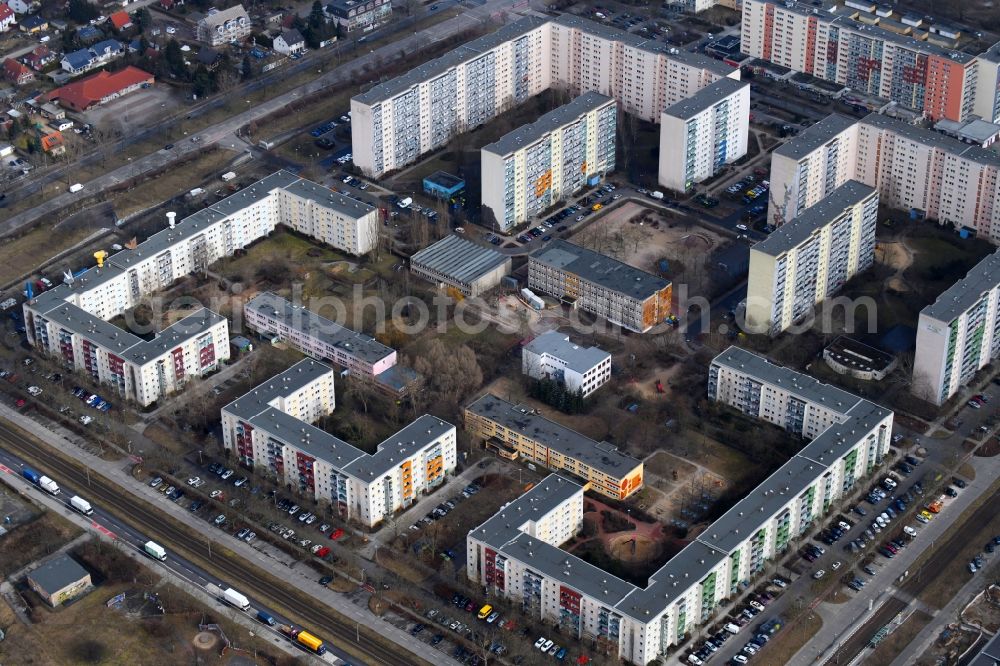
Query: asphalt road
point(225, 130)
point(104, 495)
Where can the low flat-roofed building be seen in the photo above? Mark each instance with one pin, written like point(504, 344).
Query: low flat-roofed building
point(443, 185)
point(545, 442)
point(552, 356)
point(848, 356)
point(601, 285)
point(59, 580)
point(318, 336)
point(453, 261)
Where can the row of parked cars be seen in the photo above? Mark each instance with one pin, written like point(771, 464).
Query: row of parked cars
point(446, 507)
point(91, 399)
point(734, 624)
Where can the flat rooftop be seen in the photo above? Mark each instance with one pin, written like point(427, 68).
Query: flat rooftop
point(601, 456)
point(959, 297)
point(857, 355)
point(801, 385)
point(301, 318)
point(705, 98)
point(815, 136)
point(600, 269)
point(795, 232)
point(281, 385)
point(527, 135)
point(931, 138)
point(459, 259)
point(580, 359)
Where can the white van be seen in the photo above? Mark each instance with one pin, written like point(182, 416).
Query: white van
point(76, 187)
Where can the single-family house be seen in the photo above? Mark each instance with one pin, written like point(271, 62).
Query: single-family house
point(7, 17)
point(89, 34)
point(290, 42)
point(52, 111)
point(33, 24)
point(39, 58)
point(121, 20)
point(93, 57)
point(17, 73)
point(53, 143)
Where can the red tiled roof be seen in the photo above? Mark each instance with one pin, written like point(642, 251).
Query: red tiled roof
point(13, 70)
point(5, 11)
point(51, 141)
point(85, 93)
point(120, 20)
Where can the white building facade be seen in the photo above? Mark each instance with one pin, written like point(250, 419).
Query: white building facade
point(959, 334)
point(532, 168)
point(809, 259)
point(270, 431)
point(703, 133)
point(397, 121)
point(551, 355)
point(516, 555)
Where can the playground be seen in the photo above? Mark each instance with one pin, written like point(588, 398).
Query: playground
point(623, 544)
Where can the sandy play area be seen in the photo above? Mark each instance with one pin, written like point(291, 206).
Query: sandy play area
point(641, 237)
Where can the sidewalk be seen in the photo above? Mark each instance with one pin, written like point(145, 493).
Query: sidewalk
point(840, 619)
point(263, 555)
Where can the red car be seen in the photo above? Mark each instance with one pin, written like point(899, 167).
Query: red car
point(336, 534)
point(323, 552)
point(21, 402)
point(471, 606)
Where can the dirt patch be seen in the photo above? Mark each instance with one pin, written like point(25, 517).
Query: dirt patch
point(33, 540)
point(989, 449)
point(634, 549)
point(377, 606)
point(643, 237)
point(168, 440)
point(784, 646)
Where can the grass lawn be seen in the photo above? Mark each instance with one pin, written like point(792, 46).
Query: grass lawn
point(781, 648)
point(173, 181)
point(33, 540)
point(727, 462)
point(88, 632)
point(37, 244)
point(894, 643)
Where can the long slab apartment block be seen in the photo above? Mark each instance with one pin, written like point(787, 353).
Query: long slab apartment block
point(514, 431)
point(959, 334)
point(808, 259)
point(516, 553)
point(852, 47)
point(703, 133)
point(324, 339)
point(915, 169)
point(397, 121)
point(458, 263)
point(70, 321)
point(270, 431)
point(535, 166)
point(596, 283)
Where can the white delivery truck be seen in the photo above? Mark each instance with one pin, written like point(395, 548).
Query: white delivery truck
point(48, 485)
point(228, 176)
point(155, 550)
point(81, 505)
point(234, 598)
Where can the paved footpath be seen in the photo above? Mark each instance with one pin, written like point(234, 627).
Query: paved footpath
point(263, 555)
point(840, 621)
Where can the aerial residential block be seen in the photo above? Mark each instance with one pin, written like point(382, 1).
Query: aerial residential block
point(395, 122)
point(360, 15)
point(551, 355)
point(582, 278)
point(516, 553)
point(222, 27)
point(468, 267)
point(959, 334)
point(811, 166)
point(71, 320)
point(535, 166)
point(912, 168)
point(703, 133)
point(808, 259)
point(361, 355)
point(270, 431)
point(514, 431)
point(828, 43)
